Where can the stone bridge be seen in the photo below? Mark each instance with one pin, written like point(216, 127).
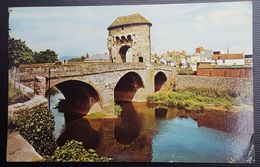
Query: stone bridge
point(96, 86)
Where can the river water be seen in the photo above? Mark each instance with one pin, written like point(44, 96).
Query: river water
point(150, 133)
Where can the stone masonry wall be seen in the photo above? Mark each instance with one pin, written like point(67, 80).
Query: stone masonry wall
point(242, 85)
point(140, 43)
point(239, 84)
point(25, 108)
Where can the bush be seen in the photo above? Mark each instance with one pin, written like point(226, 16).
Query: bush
point(73, 151)
point(38, 129)
point(118, 109)
point(189, 100)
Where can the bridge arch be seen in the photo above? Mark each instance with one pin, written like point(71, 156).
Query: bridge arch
point(80, 97)
point(127, 86)
point(159, 80)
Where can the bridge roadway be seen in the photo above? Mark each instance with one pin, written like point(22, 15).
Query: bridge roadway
point(95, 86)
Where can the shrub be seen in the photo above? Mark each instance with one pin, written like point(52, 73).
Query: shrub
point(38, 129)
point(118, 109)
point(73, 151)
point(189, 100)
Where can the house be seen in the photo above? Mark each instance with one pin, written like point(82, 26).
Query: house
point(213, 70)
point(167, 61)
point(228, 59)
point(248, 60)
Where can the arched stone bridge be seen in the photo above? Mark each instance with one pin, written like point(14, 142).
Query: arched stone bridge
point(86, 85)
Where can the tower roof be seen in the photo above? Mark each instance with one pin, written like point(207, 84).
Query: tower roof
point(129, 20)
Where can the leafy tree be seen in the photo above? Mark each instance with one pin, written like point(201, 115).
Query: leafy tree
point(83, 58)
point(47, 56)
point(75, 59)
point(19, 53)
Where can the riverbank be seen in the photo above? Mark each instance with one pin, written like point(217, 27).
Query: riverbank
point(191, 101)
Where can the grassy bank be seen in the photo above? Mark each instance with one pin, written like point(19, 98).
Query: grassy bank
point(190, 100)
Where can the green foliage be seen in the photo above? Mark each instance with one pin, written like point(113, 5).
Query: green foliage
point(97, 115)
point(47, 56)
point(73, 151)
point(213, 92)
point(19, 53)
point(188, 100)
point(75, 59)
point(38, 129)
point(117, 109)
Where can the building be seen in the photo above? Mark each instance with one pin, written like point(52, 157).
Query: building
point(201, 55)
point(199, 50)
point(98, 58)
point(167, 61)
point(228, 59)
point(175, 58)
point(208, 53)
point(248, 60)
point(211, 70)
point(129, 39)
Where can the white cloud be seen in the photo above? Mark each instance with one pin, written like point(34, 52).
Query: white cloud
point(76, 30)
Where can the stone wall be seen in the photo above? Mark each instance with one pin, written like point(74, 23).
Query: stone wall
point(140, 42)
point(19, 150)
point(24, 109)
point(243, 85)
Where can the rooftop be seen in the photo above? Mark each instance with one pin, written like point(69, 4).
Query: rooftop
point(99, 56)
point(227, 56)
point(129, 20)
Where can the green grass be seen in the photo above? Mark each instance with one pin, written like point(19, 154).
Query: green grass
point(189, 100)
point(117, 109)
point(97, 115)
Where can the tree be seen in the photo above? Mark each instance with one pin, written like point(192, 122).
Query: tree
point(83, 58)
point(19, 53)
point(47, 56)
point(75, 59)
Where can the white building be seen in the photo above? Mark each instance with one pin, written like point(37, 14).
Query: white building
point(229, 59)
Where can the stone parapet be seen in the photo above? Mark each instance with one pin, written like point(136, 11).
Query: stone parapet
point(24, 109)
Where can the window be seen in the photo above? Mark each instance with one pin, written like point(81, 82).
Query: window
point(141, 59)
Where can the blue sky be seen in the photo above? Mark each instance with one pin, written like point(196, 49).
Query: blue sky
point(74, 31)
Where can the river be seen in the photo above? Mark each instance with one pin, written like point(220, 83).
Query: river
point(150, 133)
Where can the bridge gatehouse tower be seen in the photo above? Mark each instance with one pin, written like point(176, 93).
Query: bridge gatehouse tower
point(129, 39)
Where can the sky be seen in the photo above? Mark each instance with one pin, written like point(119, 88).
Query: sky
point(75, 31)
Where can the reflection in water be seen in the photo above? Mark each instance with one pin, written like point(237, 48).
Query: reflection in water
point(127, 127)
point(138, 135)
point(80, 130)
point(161, 112)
